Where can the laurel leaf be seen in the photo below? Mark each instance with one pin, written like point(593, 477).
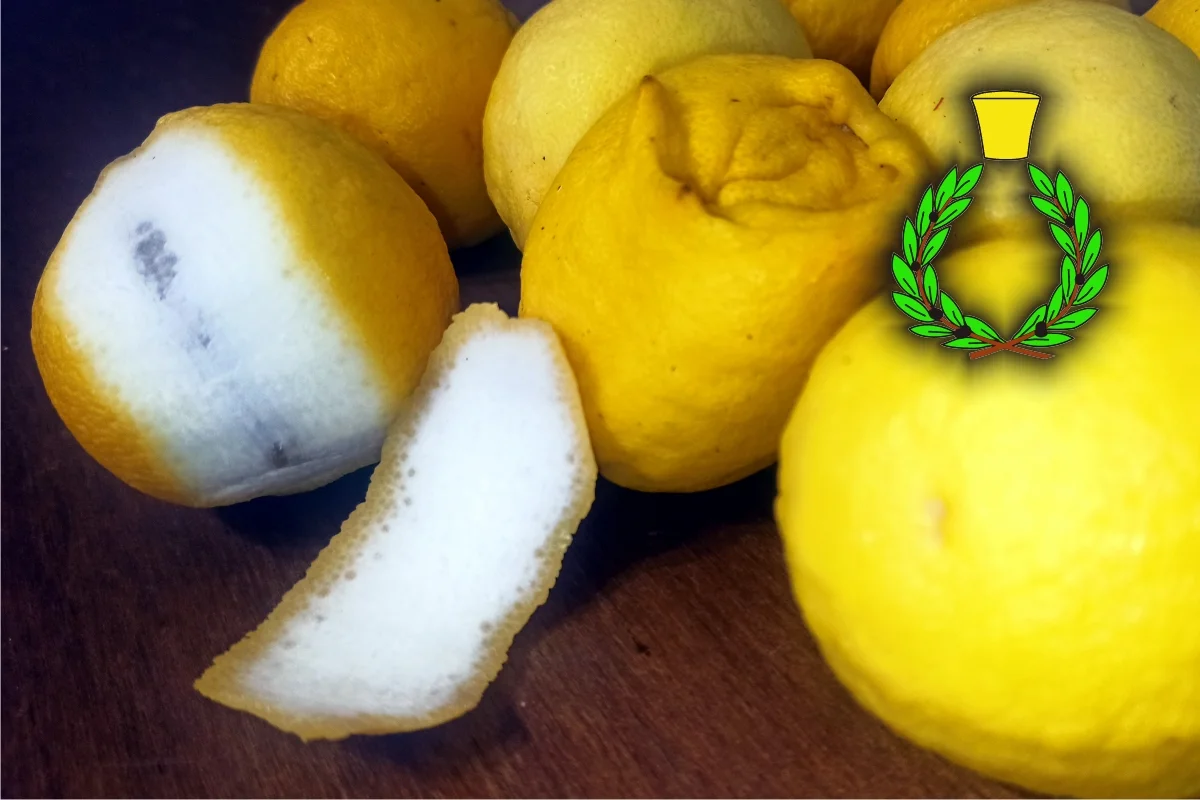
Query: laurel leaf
point(1049, 340)
point(1092, 251)
point(1041, 181)
point(1063, 238)
point(946, 188)
point(924, 210)
point(1046, 207)
point(904, 275)
point(1069, 222)
point(1038, 315)
point(1062, 190)
point(936, 242)
point(967, 182)
point(1056, 303)
point(910, 241)
point(1067, 276)
point(1074, 319)
point(931, 286)
point(1092, 286)
point(1082, 219)
point(952, 212)
point(981, 328)
point(911, 307)
point(951, 310)
point(965, 344)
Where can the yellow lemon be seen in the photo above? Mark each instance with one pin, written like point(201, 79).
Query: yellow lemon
point(915, 24)
point(574, 58)
point(410, 78)
point(240, 306)
point(845, 31)
point(703, 241)
point(1000, 557)
point(1120, 108)
point(1180, 18)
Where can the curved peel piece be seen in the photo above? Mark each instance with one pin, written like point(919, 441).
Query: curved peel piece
point(408, 614)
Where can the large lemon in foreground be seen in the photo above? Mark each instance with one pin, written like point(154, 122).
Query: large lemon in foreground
point(240, 306)
point(574, 58)
point(702, 243)
point(1119, 113)
point(1002, 558)
point(409, 78)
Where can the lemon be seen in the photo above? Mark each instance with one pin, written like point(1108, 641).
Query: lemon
point(1119, 111)
point(574, 58)
point(703, 241)
point(1000, 557)
point(410, 78)
point(240, 306)
point(1180, 18)
point(845, 31)
point(915, 24)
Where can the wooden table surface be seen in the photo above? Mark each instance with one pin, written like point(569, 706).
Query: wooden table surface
point(669, 660)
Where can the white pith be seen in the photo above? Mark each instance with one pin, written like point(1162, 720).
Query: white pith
point(451, 547)
point(242, 368)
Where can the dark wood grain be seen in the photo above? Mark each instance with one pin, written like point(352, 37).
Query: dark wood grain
point(670, 659)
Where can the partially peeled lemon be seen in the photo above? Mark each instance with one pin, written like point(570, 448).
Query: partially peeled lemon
point(240, 306)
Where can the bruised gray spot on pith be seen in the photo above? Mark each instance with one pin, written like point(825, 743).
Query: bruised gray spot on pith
point(270, 435)
point(277, 442)
point(155, 263)
point(279, 456)
point(198, 335)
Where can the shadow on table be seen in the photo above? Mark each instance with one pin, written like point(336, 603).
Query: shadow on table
point(626, 528)
point(623, 529)
point(495, 254)
point(298, 520)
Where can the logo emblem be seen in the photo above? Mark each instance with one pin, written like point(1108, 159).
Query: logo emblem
point(1005, 125)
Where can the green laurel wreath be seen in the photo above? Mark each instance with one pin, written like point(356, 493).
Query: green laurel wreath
point(939, 317)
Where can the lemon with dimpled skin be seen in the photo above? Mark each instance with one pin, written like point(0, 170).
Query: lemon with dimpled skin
point(999, 558)
point(410, 79)
point(703, 241)
point(1119, 114)
point(844, 31)
point(915, 24)
point(1180, 18)
point(574, 58)
point(240, 306)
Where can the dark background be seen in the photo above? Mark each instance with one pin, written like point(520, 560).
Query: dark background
point(669, 660)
